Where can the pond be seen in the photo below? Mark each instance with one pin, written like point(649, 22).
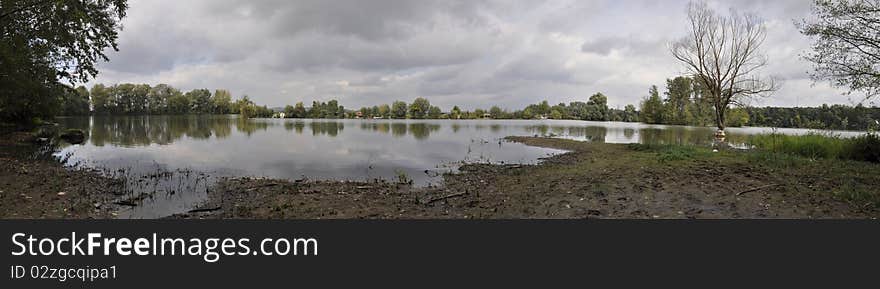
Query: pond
point(170, 162)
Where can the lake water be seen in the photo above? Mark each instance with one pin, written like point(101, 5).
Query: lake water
point(169, 162)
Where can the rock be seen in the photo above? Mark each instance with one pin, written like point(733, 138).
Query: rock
point(73, 136)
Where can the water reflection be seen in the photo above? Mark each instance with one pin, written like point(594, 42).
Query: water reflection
point(195, 149)
point(134, 131)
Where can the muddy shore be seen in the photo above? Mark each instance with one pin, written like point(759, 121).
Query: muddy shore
point(592, 180)
point(34, 186)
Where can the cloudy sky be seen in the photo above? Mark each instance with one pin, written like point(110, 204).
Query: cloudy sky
point(469, 53)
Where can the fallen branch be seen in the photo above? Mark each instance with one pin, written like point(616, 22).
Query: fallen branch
point(199, 210)
point(446, 197)
point(757, 189)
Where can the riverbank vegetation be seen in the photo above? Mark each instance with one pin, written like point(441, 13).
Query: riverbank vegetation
point(821, 146)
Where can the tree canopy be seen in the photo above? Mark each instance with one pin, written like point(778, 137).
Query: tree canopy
point(45, 45)
point(846, 47)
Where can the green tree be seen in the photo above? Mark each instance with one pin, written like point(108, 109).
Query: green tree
point(679, 92)
point(455, 113)
point(737, 117)
point(221, 102)
point(543, 108)
point(246, 108)
point(398, 109)
point(434, 112)
point(496, 112)
point(178, 103)
point(846, 47)
point(101, 99)
point(45, 43)
point(199, 101)
point(597, 108)
point(299, 110)
point(76, 101)
point(289, 111)
point(652, 107)
point(140, 99)
point(384, 111)
point(331, 109)
point(528, 114)
point(630, 114)
point(158, 97)
point(419, 108)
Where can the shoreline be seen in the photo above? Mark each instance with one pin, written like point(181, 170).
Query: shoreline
point(591, 180)
point(33, 187)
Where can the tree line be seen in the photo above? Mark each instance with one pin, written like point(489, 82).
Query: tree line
point(683, 102)
point(138, 99)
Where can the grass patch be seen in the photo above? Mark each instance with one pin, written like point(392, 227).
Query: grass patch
point(668, 153)
point(858, 195)
point(821, 146)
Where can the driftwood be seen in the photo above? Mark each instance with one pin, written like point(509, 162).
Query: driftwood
point(446, 197)
point(757, 189)
point(199, 210)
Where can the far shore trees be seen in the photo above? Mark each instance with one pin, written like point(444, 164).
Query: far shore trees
point(846, 47)
point(681, 102)
point(398, 110)
point(724, 54)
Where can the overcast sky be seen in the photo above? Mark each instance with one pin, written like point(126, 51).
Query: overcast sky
point(469, 53)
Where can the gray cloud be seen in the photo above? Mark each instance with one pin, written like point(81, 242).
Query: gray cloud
point(469, 53)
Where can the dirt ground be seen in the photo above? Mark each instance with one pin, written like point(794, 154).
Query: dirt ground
point(593, 180)
point(35, 187)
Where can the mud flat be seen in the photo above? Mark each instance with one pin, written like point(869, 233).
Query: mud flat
point(592, 180)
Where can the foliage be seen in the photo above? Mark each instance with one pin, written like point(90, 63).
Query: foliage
point(221, 102)
point(398, 109)
point(652, 107)
point(45, 43)
point(419, 108)
point(846, 46)
point(836, 117)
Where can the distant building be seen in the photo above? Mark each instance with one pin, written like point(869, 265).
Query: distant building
point(278, 115)
point(358, 114)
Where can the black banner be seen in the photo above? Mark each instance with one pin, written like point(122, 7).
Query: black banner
point(418, 253)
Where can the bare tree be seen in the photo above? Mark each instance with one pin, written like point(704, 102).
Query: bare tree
point(846, 50)
point(723, 54)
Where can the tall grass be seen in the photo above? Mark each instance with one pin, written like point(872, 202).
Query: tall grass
point(821, 146)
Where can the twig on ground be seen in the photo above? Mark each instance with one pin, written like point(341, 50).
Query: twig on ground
point(199, 210)
point(757, 189)
point(446, 197)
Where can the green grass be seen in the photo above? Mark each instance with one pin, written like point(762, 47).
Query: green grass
point(821, 146)
point(668, 153)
